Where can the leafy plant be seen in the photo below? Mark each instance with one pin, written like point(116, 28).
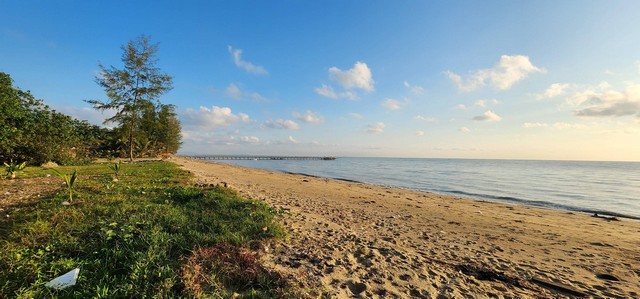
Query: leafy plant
point(116, 171)
point(69, 180)
point(13, 167)
point(142, 240)
point(133, 89)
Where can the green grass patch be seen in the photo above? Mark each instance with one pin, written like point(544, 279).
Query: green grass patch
point(148, 235)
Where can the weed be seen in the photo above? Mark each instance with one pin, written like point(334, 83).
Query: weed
point(69, 180)
point(116, 171)
point(13, 167)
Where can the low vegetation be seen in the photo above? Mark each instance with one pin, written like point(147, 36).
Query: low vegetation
point(149, 235)
point(12, 168)
point(69, 181)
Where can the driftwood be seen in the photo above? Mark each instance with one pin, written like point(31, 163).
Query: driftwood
point(608, 218)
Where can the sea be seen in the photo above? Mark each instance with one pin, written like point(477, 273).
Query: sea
point(607, 188)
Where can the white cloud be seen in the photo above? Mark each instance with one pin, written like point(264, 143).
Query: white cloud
point(464, 130)
point(376, 128)
point(460, 107)
point(282, 124)
point(250, 139)
point(534, 125)
point(603, 101)
point(562, 126)
point(419, 133)
point(93, 116)
point(200, 141)
point(214, 117)
point(309, 117)
point(483, 103)
point(327, 91)
point(415, 89)
point(357, 77)
point(293, 140)
point(235, 92)
point(356, 115)
point(588, 93)
point(554, 90)
point(558, 126)
point(247, 66)
point(507, 72)
point(424, 118)
point(391, 104)
point(488, 116)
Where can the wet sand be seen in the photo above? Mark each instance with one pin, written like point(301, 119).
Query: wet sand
point(367, 241)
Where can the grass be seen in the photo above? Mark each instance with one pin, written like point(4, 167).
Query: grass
point(147, 236)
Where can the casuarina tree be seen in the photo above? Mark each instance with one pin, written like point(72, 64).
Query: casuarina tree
point(134, 88)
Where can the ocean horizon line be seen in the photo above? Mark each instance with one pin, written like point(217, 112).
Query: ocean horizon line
point(395, 157)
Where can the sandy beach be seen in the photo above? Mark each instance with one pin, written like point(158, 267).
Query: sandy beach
point(360, 240)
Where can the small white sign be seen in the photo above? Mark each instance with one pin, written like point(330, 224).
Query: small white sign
point(64, 281)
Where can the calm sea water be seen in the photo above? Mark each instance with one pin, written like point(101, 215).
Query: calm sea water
point(611, 188)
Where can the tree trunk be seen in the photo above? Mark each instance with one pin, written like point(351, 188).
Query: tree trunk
point(131, 143)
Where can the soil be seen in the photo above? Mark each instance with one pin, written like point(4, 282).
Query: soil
point(16, 193)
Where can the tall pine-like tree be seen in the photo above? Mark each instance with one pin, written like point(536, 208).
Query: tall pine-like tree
point(133, 89)
point(169, 137)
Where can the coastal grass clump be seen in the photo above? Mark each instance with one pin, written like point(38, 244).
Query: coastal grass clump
point(12, 168)
point(150, 235)
point(225, 270)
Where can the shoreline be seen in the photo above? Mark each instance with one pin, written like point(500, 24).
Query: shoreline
point(480, 197)
point(371, 241)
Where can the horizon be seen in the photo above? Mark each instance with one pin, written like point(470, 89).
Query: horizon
point(542, 81)
point(395, 157)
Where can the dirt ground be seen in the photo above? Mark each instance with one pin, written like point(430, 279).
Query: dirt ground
point(20, 191)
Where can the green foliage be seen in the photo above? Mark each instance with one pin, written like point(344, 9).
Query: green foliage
point(134, 240)
point(158, 131)
point(69, 181)
point(12, 167)
point(116, 170)
point(31, 131)
point(134, 89)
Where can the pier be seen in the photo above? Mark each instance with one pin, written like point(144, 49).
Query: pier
point(232, 157)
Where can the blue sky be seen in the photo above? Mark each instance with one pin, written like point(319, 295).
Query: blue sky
point(450, 79)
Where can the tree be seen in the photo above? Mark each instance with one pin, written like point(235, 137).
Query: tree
point(15, 107)
point(134, 88)
point(158, 131)
point(169, 137)
point(31, 131)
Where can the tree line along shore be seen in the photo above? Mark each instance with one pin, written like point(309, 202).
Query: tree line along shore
point(141, 125)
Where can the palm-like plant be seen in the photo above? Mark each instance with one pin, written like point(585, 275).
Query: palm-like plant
point(13, 167)
point(69, 180)
point(116, 171)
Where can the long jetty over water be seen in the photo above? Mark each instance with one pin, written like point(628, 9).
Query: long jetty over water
point(231, 157)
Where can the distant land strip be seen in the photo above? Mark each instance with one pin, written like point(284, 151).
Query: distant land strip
point(234, 157)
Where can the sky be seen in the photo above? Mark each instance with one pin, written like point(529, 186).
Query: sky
point(552, 80)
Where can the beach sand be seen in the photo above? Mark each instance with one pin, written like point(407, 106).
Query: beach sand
point(360, 240)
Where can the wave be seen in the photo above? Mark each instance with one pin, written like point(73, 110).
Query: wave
point(603, 187)
point(537, 203)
